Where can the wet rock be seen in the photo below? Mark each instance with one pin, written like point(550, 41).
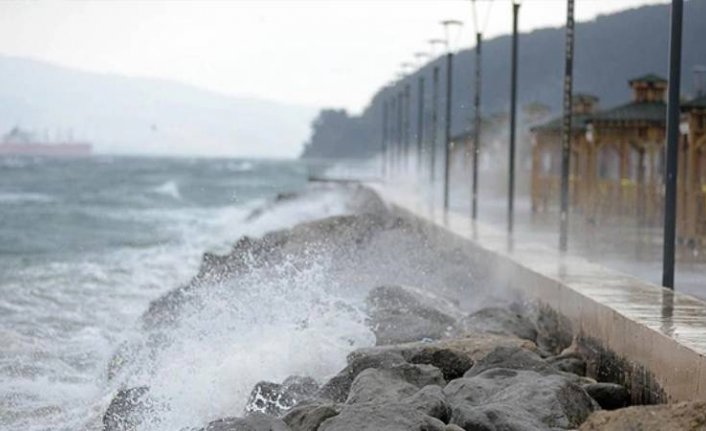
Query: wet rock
point(475, 346)
point(452, 363)
point(453, 427)
point(127, 409)
point(392, 384)
point(570, 363)
point(514, 358)
point(381, 417)
point(510, 399)
point(686, 416)
point(253, 422)
point(609, 396)
point(554, 332)
point(403, 314)
point(274, 398)
point(500, 320)
point(431, 401)
point(338, 387)
point(308, 417)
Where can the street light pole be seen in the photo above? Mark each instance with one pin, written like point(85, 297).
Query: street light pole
point(447, 128)
point(420, 122)
point(513, 121)
point(476, 128)
point(670, 201)
point(566, 128)
point(383, 157)
point(434, 122)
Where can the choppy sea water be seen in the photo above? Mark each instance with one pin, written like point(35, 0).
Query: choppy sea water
point(85, 245)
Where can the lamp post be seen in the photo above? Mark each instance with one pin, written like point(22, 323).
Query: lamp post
point(420, 56)
point(513, 121)
point(566, 128)
point(448, 24)
point(434, 111)
point(670, 201)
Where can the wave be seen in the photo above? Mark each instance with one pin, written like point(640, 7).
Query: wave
point(169, 188)
point(240, 166)
point(24, 197)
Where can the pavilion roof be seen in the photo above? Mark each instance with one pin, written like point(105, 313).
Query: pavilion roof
point(578, 123)
point(652, 112)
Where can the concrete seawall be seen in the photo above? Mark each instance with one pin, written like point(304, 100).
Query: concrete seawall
point(636, 333)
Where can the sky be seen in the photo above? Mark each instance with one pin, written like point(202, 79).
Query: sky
point(314, 53)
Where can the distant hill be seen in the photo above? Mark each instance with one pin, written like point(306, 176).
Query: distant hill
point(609, 50)
point(138, 115)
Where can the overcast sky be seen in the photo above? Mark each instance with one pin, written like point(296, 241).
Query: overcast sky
point(315, 53)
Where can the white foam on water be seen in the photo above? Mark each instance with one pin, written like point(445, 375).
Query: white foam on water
point(24, 197)
point(169, 188)
point(64, 320)
point(267, 325)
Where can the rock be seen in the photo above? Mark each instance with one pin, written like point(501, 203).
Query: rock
point(498, 320)
point(509, 399)
point(452, 363)
point(274, 398)
point(570, 363)
point(431, 401)
point(308, 417)
point(127, 409)
point(338, 387)
point(392, 384)
point(514, 358)
point(253, 422)
point(609, 396)
point(452, 427)
point(403, 314)
point(686, 416)
point(381, 417)
point(474, 345)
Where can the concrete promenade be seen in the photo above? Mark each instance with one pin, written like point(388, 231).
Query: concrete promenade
point(659, 334)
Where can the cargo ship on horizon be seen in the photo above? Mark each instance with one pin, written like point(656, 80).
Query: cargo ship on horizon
point(18, 142)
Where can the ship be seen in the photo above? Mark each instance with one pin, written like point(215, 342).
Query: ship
point(18, 142)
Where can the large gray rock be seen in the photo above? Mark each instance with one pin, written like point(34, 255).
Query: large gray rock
point(430, 400)
point(382, 417)
point(508, 399)
point(339, 386)
point(515, 358)
point(274, 398)
point(452, 363)
point(392, 384)
point(308, 416)
point(128, 409)
point(404, 314)
point(501, 320)
point(253, 422)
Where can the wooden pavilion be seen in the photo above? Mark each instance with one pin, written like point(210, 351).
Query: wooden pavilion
point(616, 155)
point(692, 173)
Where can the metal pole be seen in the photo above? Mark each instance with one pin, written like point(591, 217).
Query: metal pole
point(407, 134)
point(420, 123)
point(383, 158)
point(476, 129)
point(447, 129)
point(566, 132)
point(398, 157)
point(513, 122)
point(672, 150)
point(434, 122)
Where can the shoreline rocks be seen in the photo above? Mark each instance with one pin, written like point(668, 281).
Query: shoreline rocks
point(434, 366)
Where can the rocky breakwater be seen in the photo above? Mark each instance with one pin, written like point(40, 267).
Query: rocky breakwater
point(433, 366)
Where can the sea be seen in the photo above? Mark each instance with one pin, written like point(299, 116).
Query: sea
point(86, 244)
